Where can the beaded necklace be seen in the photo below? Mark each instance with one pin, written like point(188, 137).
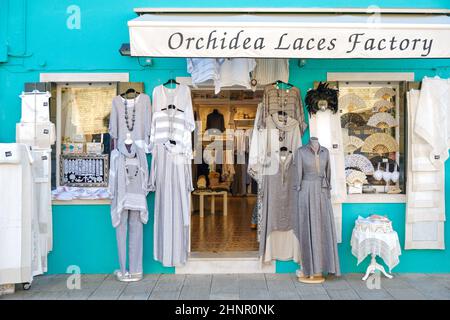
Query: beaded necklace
point(133, 117)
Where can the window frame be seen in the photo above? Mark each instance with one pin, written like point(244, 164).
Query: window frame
point(378, 77)
point(77, 79)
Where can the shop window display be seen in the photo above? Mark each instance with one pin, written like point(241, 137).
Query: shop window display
point(373, 134)
point(84, 140)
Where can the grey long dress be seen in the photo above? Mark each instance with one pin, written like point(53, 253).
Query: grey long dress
point(318, 244)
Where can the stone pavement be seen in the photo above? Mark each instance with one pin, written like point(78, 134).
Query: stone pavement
point(237, 287)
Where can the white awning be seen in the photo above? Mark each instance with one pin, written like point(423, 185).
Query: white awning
point(291, 35)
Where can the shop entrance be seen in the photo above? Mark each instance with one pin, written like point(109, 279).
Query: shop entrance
point(222, 219)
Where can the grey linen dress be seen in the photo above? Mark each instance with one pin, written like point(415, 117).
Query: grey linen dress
point(279, 219)
point(318, 245)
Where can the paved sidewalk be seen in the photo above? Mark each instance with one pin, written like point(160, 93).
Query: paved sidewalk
point(237, 286)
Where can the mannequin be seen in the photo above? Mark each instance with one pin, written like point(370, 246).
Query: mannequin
point(128, 185)
point(318, 245)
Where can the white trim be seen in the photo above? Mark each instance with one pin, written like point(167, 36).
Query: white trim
point(84, 77)
point(376, 198)
point(370, 76)
point(367, 10)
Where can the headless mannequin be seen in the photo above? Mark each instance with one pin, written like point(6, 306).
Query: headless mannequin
point(317, 278)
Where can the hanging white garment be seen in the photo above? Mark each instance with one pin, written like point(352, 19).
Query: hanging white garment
point(40, 135)
point(170, 174)
point(270, 70)
point(425, 208)
point(326, 126)
point(235, 71)
point(42, 180)
point(35, 106)
point(433, 124)
point(20, 256)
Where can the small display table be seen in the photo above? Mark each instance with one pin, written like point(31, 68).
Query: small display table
point(374, 236)
point(213, 194)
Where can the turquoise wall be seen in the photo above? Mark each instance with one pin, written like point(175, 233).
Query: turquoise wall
point(39, 41)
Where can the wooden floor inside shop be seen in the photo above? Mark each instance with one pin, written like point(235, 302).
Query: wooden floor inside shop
point(217, 233)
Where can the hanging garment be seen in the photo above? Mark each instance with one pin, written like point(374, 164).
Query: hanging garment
point(284, 100)
point(171, 176)
point(20, 256)
point(42, 186)
point(140, 109)
point(215, 120)
point(129, 186)
point(279, 233)
point(130, 227)
point(425, 189)
point(326, 126)
point(317, 233)
point(128, 182)
point(35, 107)
point(204, 69)
point(236, 71)
point(268, 71)
point(433, 124)
point(40, 135)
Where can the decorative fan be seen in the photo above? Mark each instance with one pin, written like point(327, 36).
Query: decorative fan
point(384, 93)
point(379, 143)
point(322, 98)
point(355, 176)
point(360, 162)
point(353, 144)
point(351, 102)
point(382, 120)
point(352, 120)
point(382, 106)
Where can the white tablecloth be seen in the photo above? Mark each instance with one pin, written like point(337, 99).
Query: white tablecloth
point(386, 245)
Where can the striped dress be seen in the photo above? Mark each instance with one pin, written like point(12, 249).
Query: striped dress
point(170, 175)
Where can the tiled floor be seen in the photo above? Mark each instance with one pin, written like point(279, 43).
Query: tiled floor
point(216, 233)
point(238, 286)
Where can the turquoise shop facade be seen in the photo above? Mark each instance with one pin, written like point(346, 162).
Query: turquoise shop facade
point(35, 39)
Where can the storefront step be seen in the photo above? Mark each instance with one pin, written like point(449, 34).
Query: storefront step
point(213, 263)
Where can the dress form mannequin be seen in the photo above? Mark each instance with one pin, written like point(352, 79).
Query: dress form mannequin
point(317, 278)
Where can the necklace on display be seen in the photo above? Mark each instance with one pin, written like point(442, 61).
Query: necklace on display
point(133, 117)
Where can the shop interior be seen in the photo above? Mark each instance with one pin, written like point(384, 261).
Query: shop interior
point(225, 121)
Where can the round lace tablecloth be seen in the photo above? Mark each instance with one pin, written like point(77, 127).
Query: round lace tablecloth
point(385, 245)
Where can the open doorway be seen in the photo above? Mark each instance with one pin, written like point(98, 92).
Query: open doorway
point(222, 219)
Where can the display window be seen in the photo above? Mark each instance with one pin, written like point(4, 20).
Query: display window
point(373, 130)
point(83, 143)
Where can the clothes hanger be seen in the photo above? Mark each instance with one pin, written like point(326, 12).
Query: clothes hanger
point(172, 106)
point(130, 90)
point(171, 81)
point(282, 82)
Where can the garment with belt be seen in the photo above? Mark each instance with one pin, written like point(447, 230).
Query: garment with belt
point(317, 233)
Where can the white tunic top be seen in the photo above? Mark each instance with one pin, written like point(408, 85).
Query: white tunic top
point(204, 69)
point(236, 72)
